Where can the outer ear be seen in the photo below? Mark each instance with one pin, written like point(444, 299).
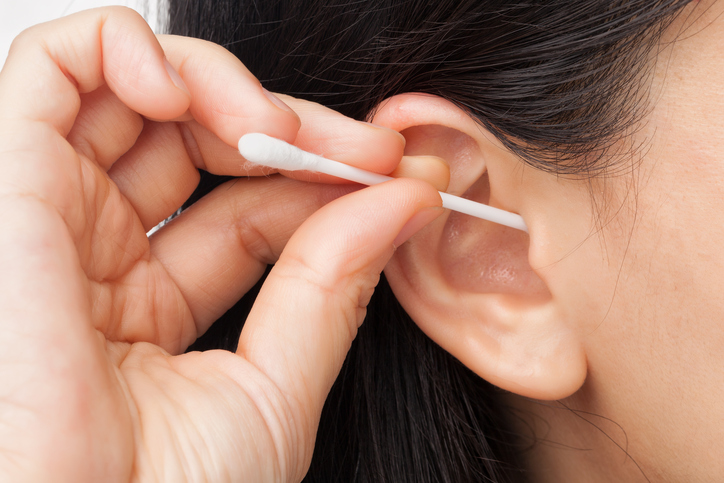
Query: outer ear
point(468, 283)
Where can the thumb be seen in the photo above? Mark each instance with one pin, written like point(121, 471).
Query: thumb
point(311, 305)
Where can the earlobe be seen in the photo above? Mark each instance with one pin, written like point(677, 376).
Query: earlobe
point(466, 282)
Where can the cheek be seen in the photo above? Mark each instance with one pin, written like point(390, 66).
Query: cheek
point(656, 348)
point(658, 321)
point(673, 272)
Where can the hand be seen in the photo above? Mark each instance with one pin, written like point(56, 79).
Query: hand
point(95, 315)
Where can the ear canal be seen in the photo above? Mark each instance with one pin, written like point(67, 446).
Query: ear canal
point(474, 255)
point(477, 256)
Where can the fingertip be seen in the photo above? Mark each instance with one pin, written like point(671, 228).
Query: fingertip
point(338, 137)
point(418, 221)
point(365, 225)
point(263, 112)
point(281, 105)
point(432, 169)
point(136, 69)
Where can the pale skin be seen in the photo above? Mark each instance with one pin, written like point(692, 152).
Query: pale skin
point(614, 313)
point(605, 324)
point(655, 355)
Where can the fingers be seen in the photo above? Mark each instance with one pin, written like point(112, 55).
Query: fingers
point(432, 169)
point(48, 68)
point(323, 131)
point(109, 60)
point(225, 97)
point(334, 136)
point(157, 175)
point(105, 128)
point(226, 101)
point(312, 303)
point(50, 64)
point(218, 248)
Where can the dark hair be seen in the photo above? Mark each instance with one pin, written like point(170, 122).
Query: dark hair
point(559, 82)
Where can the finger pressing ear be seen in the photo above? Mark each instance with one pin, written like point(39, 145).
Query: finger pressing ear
point(432, 169)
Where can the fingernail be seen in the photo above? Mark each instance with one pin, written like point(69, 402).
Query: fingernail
point(418, 221)
point(175, 77)
point(277, 102)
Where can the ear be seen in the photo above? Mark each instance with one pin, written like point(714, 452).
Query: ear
point(468, 283)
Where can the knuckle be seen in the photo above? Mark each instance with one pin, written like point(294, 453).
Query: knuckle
point(25, 39)
point(299, 266)
point(343, 294)
point(255, 242)
point(119, 13)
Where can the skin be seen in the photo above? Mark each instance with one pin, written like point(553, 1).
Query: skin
point(91, 346)
point(96, 315)
point(651, 407)
point(603, 323)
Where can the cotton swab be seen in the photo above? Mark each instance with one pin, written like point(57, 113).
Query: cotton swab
point(274, 153)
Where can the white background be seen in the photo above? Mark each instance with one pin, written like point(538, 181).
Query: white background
point(17, 15)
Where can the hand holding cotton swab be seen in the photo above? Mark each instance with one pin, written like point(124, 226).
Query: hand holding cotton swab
point(268, 151)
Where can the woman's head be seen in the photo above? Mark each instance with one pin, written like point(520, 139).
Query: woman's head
point(558, 82)
point(598, 122)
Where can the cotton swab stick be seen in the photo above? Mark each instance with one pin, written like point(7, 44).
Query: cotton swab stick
point(274, 153)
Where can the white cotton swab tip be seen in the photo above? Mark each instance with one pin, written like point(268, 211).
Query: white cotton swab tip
point(274, 153)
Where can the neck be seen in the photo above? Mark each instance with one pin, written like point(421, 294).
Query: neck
point(576, 440)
